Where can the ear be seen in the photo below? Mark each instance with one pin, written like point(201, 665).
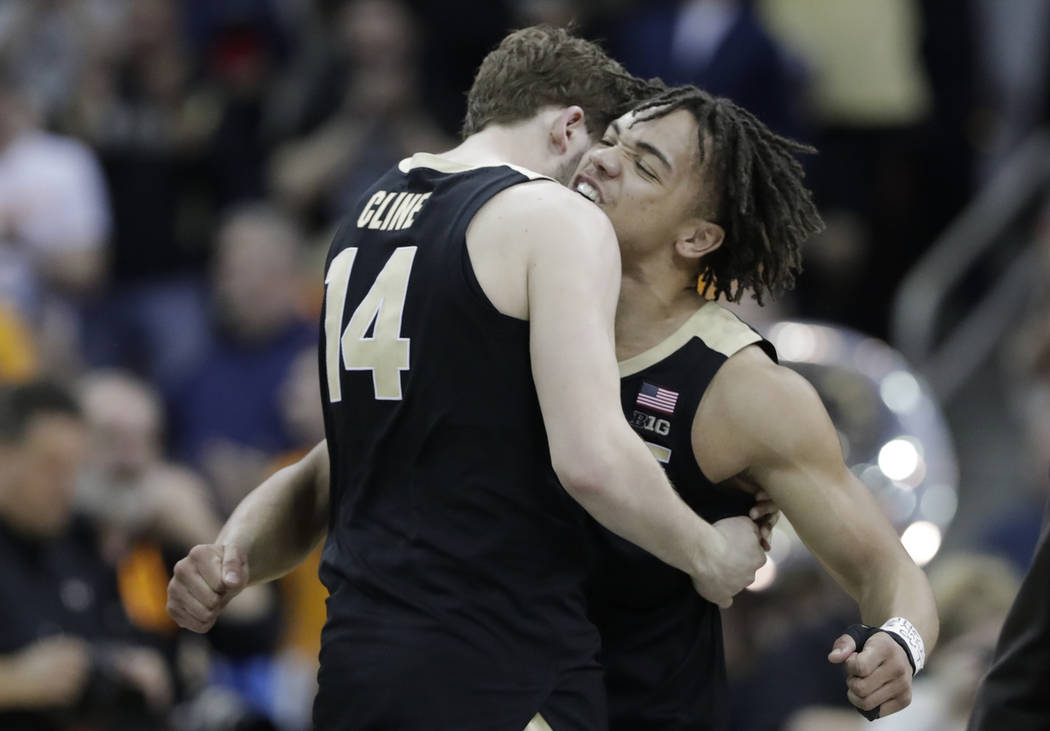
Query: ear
point(567, 127)
point(698, 237)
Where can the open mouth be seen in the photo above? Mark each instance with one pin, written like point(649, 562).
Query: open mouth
point(588, 191)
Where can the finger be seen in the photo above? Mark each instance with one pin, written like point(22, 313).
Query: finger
point(877, 650)
point(187, 604)
point(234, 567)
point(762, 509)
point(843, 648)
point(860, 703)
point(897, 703)
point(865, 685)
point(207, 559)
point(188, 579)
point(882, 694)
point(761, 495)
point(185, 621)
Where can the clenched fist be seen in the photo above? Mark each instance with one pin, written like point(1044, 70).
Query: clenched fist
point(877, 677)
point(732, 563)
point(204, 583)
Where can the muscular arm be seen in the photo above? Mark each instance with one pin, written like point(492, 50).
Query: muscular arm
point(774, 426)
point(271, 531)
point(280, 521)
point(572, 267)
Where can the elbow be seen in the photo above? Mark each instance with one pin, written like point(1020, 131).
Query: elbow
point(586, 477)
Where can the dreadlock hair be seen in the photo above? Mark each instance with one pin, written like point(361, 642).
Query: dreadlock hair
point(759, 196)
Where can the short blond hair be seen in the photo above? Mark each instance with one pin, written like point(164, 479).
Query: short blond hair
point(545, 66)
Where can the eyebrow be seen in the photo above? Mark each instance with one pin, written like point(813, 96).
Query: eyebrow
point(645, 147)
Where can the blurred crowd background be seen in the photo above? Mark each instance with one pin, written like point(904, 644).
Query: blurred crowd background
point(171, 172)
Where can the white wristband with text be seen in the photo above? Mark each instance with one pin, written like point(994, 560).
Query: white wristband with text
point(907, 632)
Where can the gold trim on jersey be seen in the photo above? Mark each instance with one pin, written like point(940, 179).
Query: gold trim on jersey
point(720, 329)
point(538, 724)
point(444, 165)
point(662, 454)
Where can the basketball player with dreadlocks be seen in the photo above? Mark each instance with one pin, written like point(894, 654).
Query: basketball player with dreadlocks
point(469, 385)
point(696, 186)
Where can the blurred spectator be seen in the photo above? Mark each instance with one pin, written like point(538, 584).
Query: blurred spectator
point(1013, 39)
point(149, 512)
point(226, 416)
point(973, 594)
point(871, 105)
point(720, 46)
point(129, 490)
point(377, 120)
point(153, 128)
point(456, 36)
point(1025, 368)
point(18, 356)
point(54, 223)
point(68, 655)
point(46, 43)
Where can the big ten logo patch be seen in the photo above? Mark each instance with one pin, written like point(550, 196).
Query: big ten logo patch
point(648, 422)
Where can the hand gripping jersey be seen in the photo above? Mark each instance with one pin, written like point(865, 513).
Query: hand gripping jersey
point(661, 641)
point(454, 559)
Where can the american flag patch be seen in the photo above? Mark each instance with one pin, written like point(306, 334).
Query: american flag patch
point(660, 399)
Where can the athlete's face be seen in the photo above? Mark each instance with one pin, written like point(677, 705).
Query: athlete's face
point(644, 176)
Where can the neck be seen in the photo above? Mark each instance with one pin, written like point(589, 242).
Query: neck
point(653, 304)
point(503, 144)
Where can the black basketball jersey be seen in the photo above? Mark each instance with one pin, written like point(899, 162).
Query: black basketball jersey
point(662, 642)
point(454, 559)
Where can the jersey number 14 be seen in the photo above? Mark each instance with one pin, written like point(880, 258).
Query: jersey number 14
point(385, 353)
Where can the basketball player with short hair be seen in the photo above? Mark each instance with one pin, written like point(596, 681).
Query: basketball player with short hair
point(695, 185)
point(468, 366)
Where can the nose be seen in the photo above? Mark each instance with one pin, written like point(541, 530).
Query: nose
point(607, 161)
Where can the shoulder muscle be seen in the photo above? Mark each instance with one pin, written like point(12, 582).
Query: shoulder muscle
point(532, 223)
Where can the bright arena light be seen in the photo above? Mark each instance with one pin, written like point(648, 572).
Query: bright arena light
point(899, 459)
point(921, 540)
point(765, 576)
point(900, 392)
point(939, 503)
point(794, 341)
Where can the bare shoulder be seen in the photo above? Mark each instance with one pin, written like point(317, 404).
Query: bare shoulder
point(768, 406)
point(539, 223)
point(540, 207)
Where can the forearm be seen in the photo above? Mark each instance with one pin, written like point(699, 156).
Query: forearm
point(280, 521)
point(629, 494)
point(899, 591)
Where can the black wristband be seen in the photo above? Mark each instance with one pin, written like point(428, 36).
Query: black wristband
point(860, 634)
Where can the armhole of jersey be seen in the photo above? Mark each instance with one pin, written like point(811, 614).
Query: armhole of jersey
point(727, 335)
point(466, 216)
point(722, 334)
